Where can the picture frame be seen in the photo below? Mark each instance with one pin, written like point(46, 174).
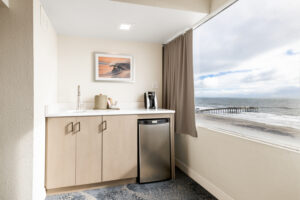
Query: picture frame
point(114, 67)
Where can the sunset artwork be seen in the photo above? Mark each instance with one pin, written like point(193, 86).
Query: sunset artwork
point(113, 67)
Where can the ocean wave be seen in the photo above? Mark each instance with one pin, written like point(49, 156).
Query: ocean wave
point(261, 107)
point(198, 108)
point(267, 118)
point(281, 107)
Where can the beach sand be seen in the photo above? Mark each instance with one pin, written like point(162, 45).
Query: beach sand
point(280, 135)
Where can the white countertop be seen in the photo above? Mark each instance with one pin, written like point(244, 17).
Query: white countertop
point(74, 113)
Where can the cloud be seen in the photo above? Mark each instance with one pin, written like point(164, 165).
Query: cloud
point(250, 50)
point(264, 76)
point(291, 52)
point(243, 31)
point(273, 71)
point(202, 77)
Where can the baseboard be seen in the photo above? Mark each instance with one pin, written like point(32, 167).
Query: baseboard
point(209, 186)
point(79, 188)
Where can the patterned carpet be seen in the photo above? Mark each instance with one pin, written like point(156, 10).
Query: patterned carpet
point(183, 188)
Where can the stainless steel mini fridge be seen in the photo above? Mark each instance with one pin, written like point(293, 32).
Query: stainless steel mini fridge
point(154, 150)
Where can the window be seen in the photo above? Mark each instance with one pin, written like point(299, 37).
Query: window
point(247, 71)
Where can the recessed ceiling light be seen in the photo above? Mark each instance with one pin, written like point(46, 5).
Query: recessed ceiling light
point(125, 27)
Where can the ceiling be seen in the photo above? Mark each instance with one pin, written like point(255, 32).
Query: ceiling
point(102, 18)
point(189, 5)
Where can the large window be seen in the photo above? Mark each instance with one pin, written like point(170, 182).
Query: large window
point(247, 71)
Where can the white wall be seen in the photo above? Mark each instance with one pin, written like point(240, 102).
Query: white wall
point(45, 90)
point(16, 101)
point(76, 66)
point(217, 5)
point(235, 168)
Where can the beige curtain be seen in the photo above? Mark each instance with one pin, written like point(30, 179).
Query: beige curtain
point(178, 82)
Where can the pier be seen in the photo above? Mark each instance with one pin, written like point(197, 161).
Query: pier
point(228, 110)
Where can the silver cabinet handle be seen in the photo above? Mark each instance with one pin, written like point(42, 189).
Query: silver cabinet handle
point(72, 125)
point(78, 123)
point(105, 125)
point(100, 127)
point(68, 126)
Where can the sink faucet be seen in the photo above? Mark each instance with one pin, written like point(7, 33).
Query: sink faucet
point(78, 98)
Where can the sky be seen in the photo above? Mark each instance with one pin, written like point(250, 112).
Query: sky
point(250, 50)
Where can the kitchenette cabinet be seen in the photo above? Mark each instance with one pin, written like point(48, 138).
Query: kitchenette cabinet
point(119, 147)
point(78, 147)
point(60, 152)
point(89, 150)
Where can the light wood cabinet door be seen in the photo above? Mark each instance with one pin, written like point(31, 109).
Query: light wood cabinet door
point(119, 147)
point(89, 150)
point(60, 153)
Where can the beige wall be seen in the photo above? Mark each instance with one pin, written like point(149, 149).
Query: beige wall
point(16, 101)
point(76, 66)
point(235, 168)
point(45, 90)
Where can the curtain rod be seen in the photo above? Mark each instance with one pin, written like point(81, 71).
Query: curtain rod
point(203, 21)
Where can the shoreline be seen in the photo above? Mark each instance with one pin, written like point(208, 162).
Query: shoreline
point(251, 125)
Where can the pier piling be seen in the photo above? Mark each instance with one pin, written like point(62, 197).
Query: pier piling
point(235, 110)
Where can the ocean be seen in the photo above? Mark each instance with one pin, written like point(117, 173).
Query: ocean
point(284, 112)
point(277, 119)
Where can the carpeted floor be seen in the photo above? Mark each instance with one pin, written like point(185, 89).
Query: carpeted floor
point(183, 188)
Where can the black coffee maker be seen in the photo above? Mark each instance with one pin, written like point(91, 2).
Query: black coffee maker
point(150, 100)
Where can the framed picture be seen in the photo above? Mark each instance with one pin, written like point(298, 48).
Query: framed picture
point(111, 67)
